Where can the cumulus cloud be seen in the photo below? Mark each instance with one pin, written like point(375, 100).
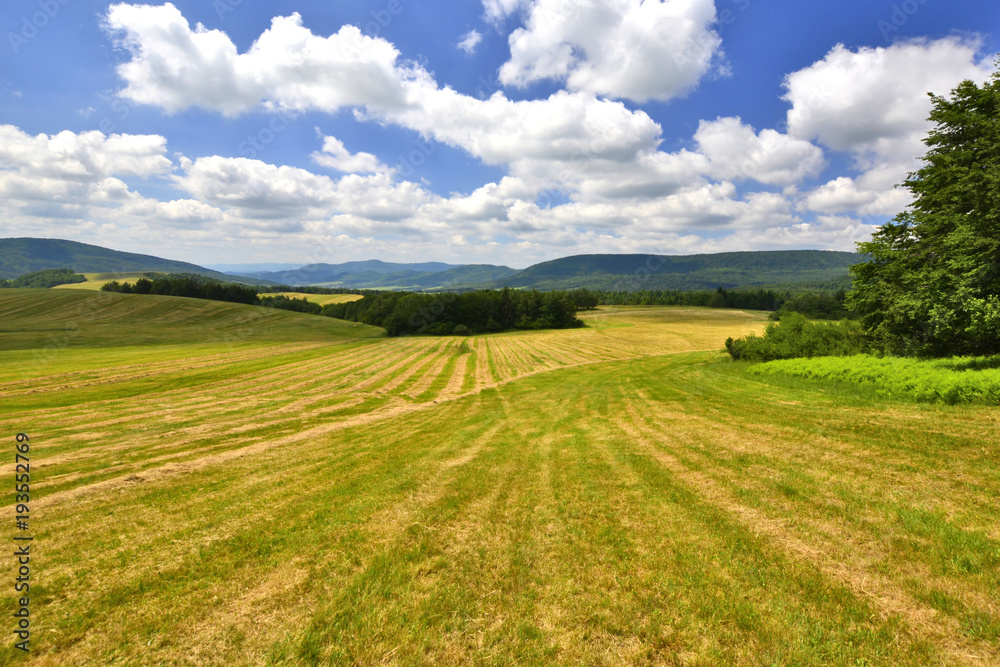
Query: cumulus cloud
point(256, 190)
point(288, 67)
point(87, 156)
point(615, 48)
point(872, 103)
point(470, 41)
point(869, 100)
point(581, 168)
point(175, 67)
point(873, 193)
point(735, 151)
point(495, 11)
point(336, 156)
point(67, 175)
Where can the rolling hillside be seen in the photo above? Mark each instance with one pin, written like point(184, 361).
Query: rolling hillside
point(27, 255)
point(688, 272)
point(58, 319)
point(788, 268)
point(806, 269)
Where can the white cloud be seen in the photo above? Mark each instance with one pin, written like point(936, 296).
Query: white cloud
point(565, 126)
point(866, 100)
point(336, 156)
point(175, 214)
point(87, 156)
point(583, 173)
point(257, 189)
point(495, 11)
point(734, 151)
point(616, 48)
point(288, 67)
point(470, 41)
point(873, 104)
point(175, 67)
point(70, 176)
point(871, 193)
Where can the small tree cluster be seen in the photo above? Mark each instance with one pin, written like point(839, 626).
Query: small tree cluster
point(45, 279)
point(795, 336)
point(192, 286)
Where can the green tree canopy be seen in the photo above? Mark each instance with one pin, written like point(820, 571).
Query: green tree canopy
point(932, 285)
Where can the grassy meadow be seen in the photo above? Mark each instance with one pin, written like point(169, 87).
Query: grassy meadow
point(950, 380)
point(225, 484)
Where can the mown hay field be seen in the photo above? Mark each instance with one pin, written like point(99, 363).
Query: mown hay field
point(95, 281)
point(321, 299)
point(309, 492)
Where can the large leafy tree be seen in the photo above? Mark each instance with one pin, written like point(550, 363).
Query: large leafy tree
point(932, 285)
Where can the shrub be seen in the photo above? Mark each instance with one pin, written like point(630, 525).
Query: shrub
point(956, 380)
point(795, 336)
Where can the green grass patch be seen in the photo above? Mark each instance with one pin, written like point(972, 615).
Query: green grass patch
point(950, 381)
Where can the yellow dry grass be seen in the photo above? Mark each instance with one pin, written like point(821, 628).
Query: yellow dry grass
point(321, 299)
point(606, 495)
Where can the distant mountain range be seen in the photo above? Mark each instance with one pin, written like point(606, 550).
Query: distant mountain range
point(247, 269)
point(777, 268)
point(808, 269)
point(375, 274)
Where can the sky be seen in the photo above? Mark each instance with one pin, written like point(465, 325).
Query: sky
point(494, 131)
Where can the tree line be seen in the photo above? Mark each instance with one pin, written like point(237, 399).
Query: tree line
point(481, 311)
point(931, 285)
point(399, 313)
point(188, 285)
point(45, 279)
point(811, 304)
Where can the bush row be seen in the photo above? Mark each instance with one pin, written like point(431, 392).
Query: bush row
point(813, 305)
point(795, 336)
point(956, 380)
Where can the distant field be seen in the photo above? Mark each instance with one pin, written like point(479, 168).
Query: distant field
point(315, 493)
point(97, 280)
point(321, 299)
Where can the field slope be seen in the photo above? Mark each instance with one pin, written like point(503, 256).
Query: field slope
point(618, 494)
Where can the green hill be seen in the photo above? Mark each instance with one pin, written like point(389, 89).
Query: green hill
point(19, 256)
point(689, 272)
point(804, 269)
point(470, 274)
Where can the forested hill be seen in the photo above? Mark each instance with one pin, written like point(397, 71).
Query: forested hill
point(19, 256)
point(814, 268)
point(794, 269)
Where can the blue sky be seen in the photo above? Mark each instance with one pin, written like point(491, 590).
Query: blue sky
point(501, 131)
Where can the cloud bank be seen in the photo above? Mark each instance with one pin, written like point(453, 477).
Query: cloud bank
point(583, 167)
